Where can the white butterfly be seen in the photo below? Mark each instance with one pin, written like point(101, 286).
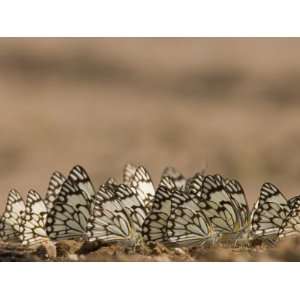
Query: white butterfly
point(71, 210)
point(12, 217)
point(269, 213)
point(187, 225)
point(109, 221)
point(291, 224)
point(177, 177)
point(128, 173)
point(221, 207)
point(55, 183)
point(141, 184)
point(132, 205)
point(33, 226)
point(155, 224)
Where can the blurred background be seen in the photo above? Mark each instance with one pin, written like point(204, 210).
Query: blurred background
point(226, 105)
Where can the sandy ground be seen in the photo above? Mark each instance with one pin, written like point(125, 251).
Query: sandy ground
point(68, 251)
point(229, 105)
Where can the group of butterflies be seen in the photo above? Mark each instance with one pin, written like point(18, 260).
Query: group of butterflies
point(201, 210)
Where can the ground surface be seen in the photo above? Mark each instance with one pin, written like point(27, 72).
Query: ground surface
point(287, 250)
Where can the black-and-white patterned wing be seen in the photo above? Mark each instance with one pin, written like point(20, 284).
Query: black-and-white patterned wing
point(81, 179)
point(155, 224)
point(236, 191)
point(186, 227)
point(168, 182)
point(291, 225)
point(269, 212)
point(109, 221)
point(142, 186)
point(55, 184)
point(178, 178)
point(128, 173)
point(194, 185)
point(132, 205)
point(70, 213)
point(12, 217)
point(218, 206)
point(33, 228)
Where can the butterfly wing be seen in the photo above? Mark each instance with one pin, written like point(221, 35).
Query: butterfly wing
point(33, 228)
point(142, 186)
point(218, 206)
point(12, 217)
point(109, 221)
point(186, 227)
point(128, 173)
point(70, 213)
point(291, 224)
point(133, 207)
point(194, 185)
point(269, 212)
point(236, 191)
point(81, 179)
point(56, 181)
point(177, 177)
point(154, 226)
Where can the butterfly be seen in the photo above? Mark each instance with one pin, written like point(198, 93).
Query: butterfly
point(132, 205)
point(177, 177)
point(12, 217)
point(54, 187)
point(141, 184)
point(220, 207)
point(33, 223)
point(269, 213)
point(194, 185)
point(291, 225)
point(71, 210)
point(109, 221)
point(155, 223)
point(187, 225)
point(128, 173)
point(236, 191)
point(167, 182)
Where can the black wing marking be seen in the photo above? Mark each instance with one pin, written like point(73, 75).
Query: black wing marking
point(109, 221)
point(56, 181)
point(70, 213)
point(12, 217)
point(269, 212)
point(142, 186)
point(33, 228)
point(218, 206)
point(132, 205)
point(155, 224)
point(128, 173)
point(178, 178)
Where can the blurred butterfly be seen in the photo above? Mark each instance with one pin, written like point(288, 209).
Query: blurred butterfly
point(177, 177)
point(71, 210)
point(269, 213)
point(128, 173)
point(33, 226)
point(11, 219)
point(194, 185)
